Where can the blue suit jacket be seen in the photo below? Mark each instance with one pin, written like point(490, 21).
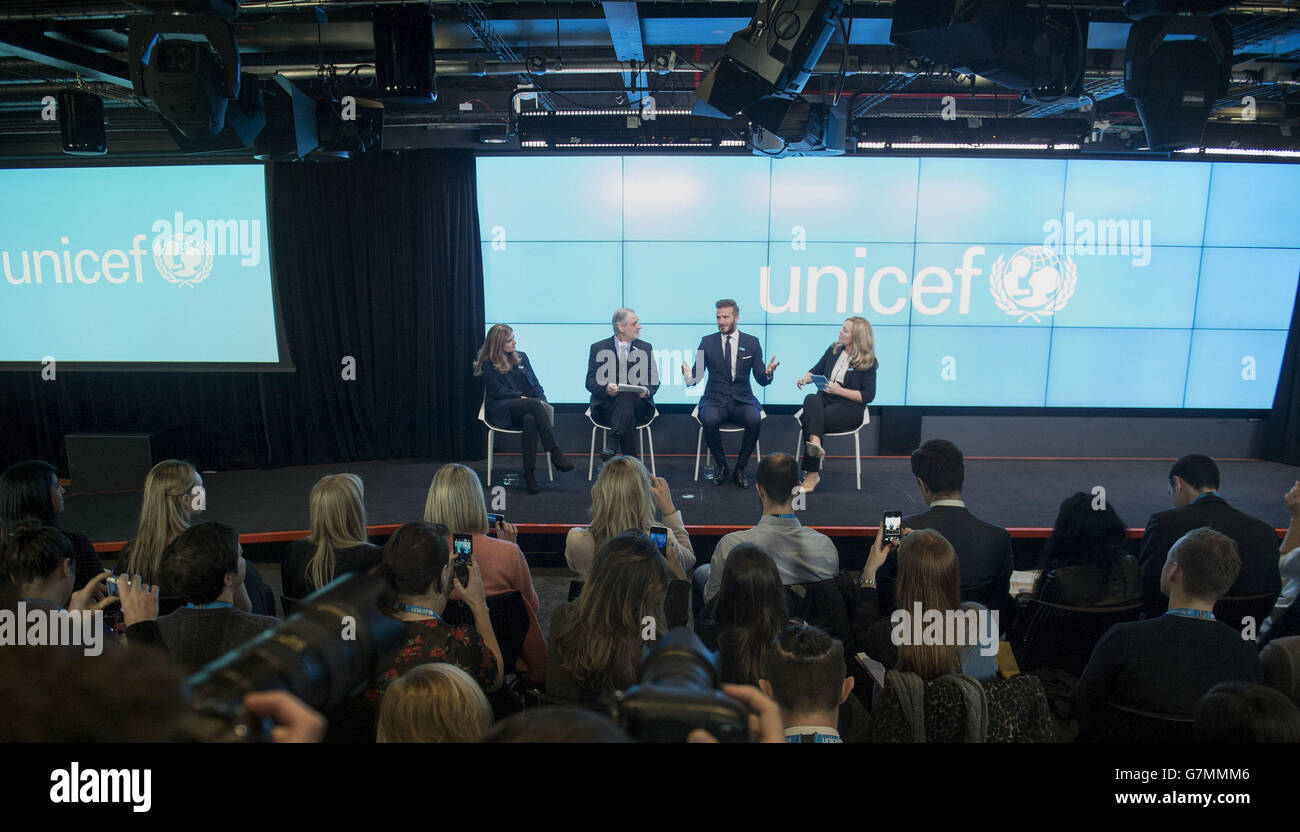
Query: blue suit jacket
point(500, 388)
point(721, 390)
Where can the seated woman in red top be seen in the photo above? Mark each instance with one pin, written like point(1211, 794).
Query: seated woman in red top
point(419, 579)
point(455, 500)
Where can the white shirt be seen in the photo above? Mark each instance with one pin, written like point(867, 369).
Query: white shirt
point(841, 367)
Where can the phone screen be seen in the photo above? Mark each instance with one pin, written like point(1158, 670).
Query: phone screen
point(892, 525)
point(463, 549)
point(659, 534)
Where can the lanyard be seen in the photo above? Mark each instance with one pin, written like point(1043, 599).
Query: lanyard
point(784, 516)
point(215, 605)
point(1204, 615)
point(416, 610)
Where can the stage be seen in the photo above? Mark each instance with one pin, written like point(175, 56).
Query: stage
point(1022, 494)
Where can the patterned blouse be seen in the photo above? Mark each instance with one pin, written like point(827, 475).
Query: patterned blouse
point(434, 640)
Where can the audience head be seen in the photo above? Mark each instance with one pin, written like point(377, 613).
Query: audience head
point(415, 561)
point(494, 350)
point(39, 560)
point(455, 500)
point(166, 509)
point(928, 575)
point(1084, 534)
point(1191, 476)
point(599, 640)
point(621, 499)
point(1201, 566)
point(1246, 712)
point(804, 674)
point(1279, 666)
point(558, 724)
point(30, 490)
point(751, 604)
point(338, 521)
point(778, 476)
point(436, 702)
point(940, 468)
point(204, 563)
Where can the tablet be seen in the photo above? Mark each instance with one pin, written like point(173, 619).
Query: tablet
point(633, 388)
point(820, 382)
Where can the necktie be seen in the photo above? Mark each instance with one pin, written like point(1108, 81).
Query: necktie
point(726, 356)
point(622, 362)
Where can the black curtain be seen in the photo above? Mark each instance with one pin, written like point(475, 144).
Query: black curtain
point(377, 260)
point(1280, 438)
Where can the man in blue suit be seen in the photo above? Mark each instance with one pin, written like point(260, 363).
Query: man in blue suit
point(730, 357)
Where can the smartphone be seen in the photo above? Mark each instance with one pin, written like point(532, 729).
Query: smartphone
point(891, 523)
point(493, 520)
point(463, 551)
point(111, 583)
point(659, 534)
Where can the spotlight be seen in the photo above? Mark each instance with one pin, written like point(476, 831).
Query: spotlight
point(1175, 69)
point(766, 64)
point(186, 67)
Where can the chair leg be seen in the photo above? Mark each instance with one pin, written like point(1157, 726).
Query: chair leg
point(591, 455)
point(491, 442)
point(549, 470)
point(758, 451)
point(699, 438)
point(650, 437)
point(857, 456)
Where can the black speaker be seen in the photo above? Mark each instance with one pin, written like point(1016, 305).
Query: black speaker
point(81, 123)
point(404, 63)
point(1175, 70)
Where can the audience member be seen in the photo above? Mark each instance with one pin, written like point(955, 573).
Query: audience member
point(205, 565)
point(801, 554)
point(434, 703)
point(31, 490)
point(1085, 563)
point(633, 596)
point(1193, 487)
point(455, 500)
point(1279, 666)
point(803, 673)
point(337, 545)
point(1166, 664)
point(557, 724)
point(624, 497)
point(745, 616)
point(419, 577)
point(1288, 566)
point(1246, 712)
point(983, 549)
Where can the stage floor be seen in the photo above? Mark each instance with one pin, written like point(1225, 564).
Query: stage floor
point(1021, 494)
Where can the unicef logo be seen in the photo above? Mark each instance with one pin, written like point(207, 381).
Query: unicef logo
point(182, 258)
point(1034, 281)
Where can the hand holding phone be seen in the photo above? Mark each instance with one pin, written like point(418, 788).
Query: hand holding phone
point(659, 534)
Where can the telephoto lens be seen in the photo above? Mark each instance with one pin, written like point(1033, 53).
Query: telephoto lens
point(678, 691)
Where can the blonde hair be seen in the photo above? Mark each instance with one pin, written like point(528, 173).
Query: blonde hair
point(163, 516)
point(436, 702)
point(864, 344)
point(338, 521)
point(455, 500)
point(493, 351)
point(621, 499)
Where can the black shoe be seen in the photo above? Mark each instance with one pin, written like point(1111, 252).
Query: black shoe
point(720, 475)
point(607, 454)
point(559, 461)
point(739, 477)
point(530, 482)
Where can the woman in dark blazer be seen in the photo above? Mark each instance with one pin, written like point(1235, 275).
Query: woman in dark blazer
point(515, 398)
point(849, 366)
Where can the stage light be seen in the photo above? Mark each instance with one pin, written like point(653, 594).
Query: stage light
point(81, 123)
point(404, 62)
point(1175, 69)
point(290, 123)
point(766, 64)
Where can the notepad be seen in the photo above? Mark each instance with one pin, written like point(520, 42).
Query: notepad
point(820, 382)
point(633, 388)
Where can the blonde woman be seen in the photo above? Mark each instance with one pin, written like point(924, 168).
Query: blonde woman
point(455, 500)
point(436, 702)
point(849, 366)
point(624, 497)
point(337, 544)
point(515, 400)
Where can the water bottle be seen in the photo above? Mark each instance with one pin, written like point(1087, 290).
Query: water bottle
point(708, 466)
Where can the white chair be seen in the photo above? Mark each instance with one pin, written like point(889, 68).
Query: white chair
point(641, 441)
point(493, 430)
point(856, 433)
point(726, 427)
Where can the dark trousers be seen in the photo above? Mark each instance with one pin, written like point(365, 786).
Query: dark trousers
point(824, 414)
point(529, 416)
point(713, 416)
point(622, 413)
